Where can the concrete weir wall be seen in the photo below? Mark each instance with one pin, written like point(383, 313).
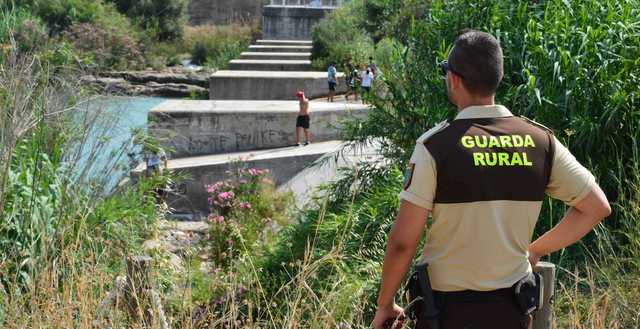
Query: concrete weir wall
point(283, 163)
point(270, 85)
point(192, 128)
point(220, 12)
point(291, 22)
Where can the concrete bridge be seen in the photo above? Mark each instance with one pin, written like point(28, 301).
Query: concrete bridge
point(250, 117)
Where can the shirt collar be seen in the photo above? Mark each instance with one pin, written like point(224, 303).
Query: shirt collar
point(483, 111)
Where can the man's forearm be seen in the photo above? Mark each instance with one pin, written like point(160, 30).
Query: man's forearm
point(573, 226)
point(396, 265)
point(401, 247)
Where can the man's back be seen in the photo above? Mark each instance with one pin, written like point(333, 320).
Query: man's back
point(488, 173)
point(331, 73)
point(491, 177)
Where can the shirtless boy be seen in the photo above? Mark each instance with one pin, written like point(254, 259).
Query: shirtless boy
point(302, 122)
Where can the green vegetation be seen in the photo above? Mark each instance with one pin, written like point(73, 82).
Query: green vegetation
point(63, 235)
point(215, 46)
point(105, 35)
point(572, 66)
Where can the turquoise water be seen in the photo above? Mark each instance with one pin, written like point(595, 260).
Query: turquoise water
point(116, 117)
point(131, 112)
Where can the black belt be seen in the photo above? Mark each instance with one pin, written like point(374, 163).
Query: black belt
point(473, 295)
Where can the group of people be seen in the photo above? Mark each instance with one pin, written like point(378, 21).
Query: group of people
point(356, 79)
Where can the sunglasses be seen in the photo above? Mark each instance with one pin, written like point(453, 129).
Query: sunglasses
point(445, 66)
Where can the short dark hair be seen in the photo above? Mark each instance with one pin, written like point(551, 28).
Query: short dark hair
point(477, 57)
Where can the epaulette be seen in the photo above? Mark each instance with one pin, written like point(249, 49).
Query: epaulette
point(436, 129)
point(536, 123)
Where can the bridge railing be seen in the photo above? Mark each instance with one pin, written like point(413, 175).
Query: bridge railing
point(306, 3)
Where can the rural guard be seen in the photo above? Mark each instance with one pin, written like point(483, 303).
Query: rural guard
point(483, 177)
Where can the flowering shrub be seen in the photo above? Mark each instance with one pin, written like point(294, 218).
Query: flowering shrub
point(106, 46)
point(243, 208)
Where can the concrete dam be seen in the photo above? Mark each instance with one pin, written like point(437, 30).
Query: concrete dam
point(251, 115)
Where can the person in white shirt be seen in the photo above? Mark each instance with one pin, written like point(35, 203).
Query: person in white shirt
point(367, 81)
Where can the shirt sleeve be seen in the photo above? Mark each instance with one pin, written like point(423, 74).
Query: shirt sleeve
point(570, 181)
point(420, 180)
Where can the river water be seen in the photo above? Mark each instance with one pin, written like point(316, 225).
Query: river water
point(118, 115)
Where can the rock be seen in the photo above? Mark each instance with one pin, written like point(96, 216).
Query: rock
point(151, 244)
point(175, 262)
point(121, 86)
point(207, 267)
point(197, 227)
point(143, 77)
point(173, 90)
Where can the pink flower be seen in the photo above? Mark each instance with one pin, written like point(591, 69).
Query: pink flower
point(225, 196)
point(254, 172)
point(245, 205)
point(216, 219)
point(214, 187)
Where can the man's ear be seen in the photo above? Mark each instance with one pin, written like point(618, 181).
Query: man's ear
point(456, 81)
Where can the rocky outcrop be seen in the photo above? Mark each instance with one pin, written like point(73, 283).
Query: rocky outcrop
point(174, 83)
point(197, 78)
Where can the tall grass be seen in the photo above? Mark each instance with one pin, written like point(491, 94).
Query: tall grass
point(62, 233)
point(571, 65)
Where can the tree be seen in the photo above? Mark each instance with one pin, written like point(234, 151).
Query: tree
point(165, 17)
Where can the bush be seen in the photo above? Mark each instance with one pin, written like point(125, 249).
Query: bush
point(340, 37)
point(215, 46)
point(59, 15)
point(106, 47)
point(165, 18)
point(244, 211)
point(20, 29)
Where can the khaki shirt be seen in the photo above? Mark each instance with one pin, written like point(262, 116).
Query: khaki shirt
point(494, 170)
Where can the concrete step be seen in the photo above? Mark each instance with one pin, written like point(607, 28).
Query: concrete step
point(270, 85)
point(285, 42)
point(270, 65)
point(283, 164)
point(192, 128)
point(280, 49)
point(278, 56)
point(304, 184)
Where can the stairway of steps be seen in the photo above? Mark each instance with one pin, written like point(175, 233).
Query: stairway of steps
point(275, 55)
point(251, 116)
point(271, 70)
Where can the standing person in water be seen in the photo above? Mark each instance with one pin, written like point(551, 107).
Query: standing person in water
point(303, 120)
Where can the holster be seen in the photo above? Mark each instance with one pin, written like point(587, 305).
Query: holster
point(529, 293)
point(422, 309)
